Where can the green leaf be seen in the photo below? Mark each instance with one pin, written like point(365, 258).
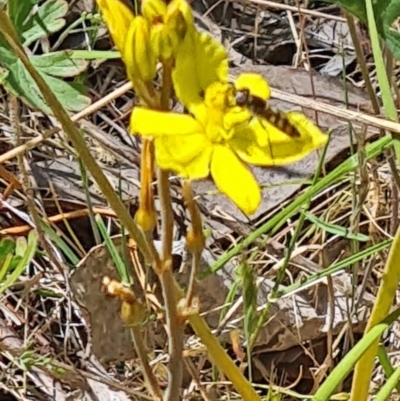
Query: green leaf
point(59, 64)
point(17, 80)
point(95, 54)
point(5, 267)
point(21, 84)
point(49, 19)
point(392, 37)
point(386, 390)
point(7, 245)
point(70, 94)
point(335, 229)
point(23, 262)
point(20, 246)
point(19, 11)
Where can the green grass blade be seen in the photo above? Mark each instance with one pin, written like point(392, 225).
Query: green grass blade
point(116, 257)
point(25, 260)
point(389, 386)
point(335, 229)
point(342, 370)
point(5, 267)
point(386, 364)
point(60, 243)
point(336, 267)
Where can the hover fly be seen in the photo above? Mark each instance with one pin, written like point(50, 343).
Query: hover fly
point(260, 108)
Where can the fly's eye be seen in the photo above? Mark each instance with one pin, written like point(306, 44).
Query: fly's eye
point(242, 97)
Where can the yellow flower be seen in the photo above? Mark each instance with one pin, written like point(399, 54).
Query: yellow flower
point(131, 35)
point(219, 136)
point(138, 56)
point(142, 40)
point(169, 25)
point(118, 17)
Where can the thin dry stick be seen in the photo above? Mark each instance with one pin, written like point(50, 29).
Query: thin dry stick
point(76, 117)
point(28, 190)
point(150, 378)
point(281, 6)
point(343, 114)
point(361, 62)
point(78, 247)
point(22, 230)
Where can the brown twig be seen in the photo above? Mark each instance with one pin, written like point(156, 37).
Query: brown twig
point(148, 374)
point(26, 186)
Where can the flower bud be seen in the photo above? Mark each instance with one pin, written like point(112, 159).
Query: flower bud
point(179, 17)
point(146, 219)
point(195, 241)
point(138, 55)
point(164, 42)
point(133, 314)
point(154, 11)
point(118, 17)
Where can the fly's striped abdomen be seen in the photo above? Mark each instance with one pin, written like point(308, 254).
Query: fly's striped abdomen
point(259, 108)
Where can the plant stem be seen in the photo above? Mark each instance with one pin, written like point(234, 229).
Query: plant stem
point(174, 323)
point(220, 358)
point(196, 257)
point(195, 240)
point(148, 374)
point(167, 217)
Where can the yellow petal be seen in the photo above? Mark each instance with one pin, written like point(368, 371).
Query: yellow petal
point(200, 61)
point(255, 83)
point(148, 122)
point(184, 10)
point(118, 17)
point(189, 156)
point(138, 55)
point(153, 10)
point(179, 18)
point(235, 180)
point(164, 41)
point(262, 143)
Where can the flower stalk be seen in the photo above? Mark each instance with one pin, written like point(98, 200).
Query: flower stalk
point(194, 238)
point(174, 323)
